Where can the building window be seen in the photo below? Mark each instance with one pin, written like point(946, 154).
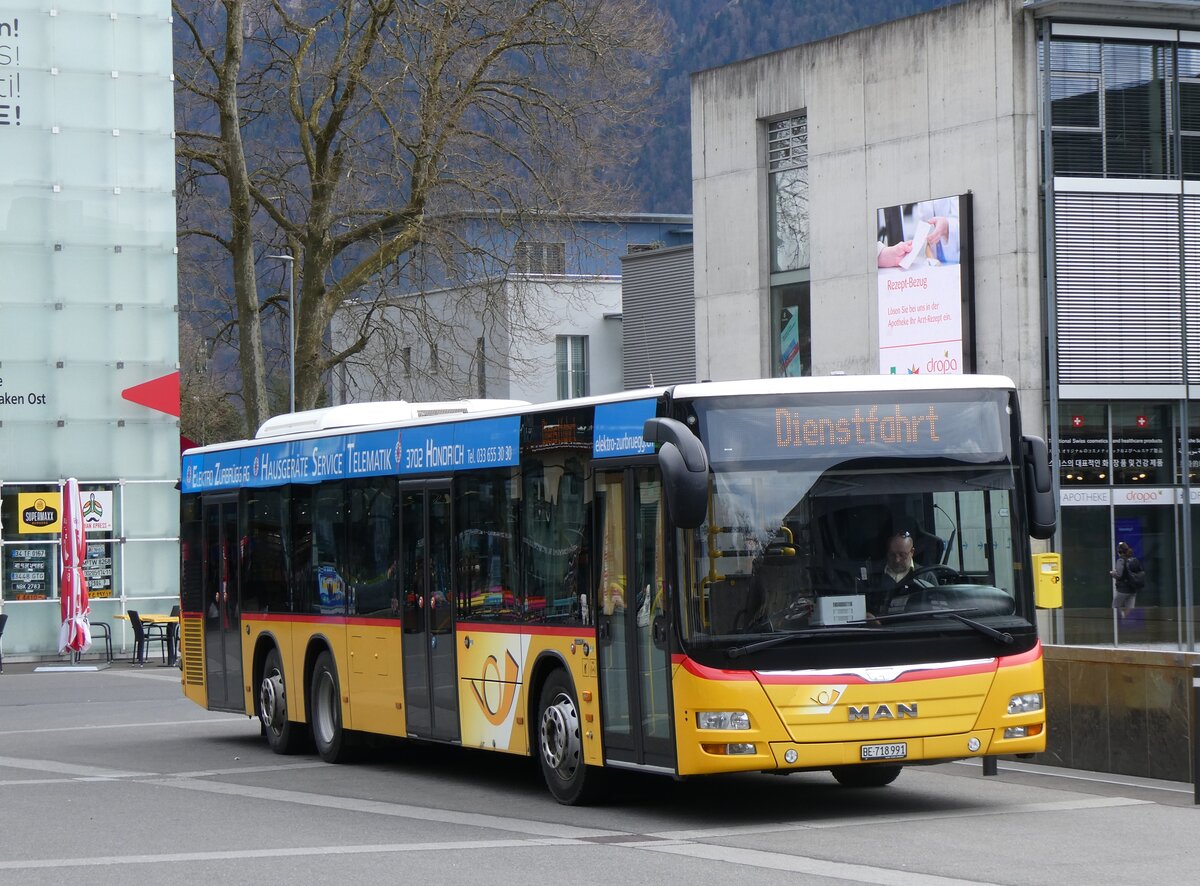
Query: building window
point(791, 318)
point(1118, 462)
point(433, 358)
point(540, 258)
point(572, 365)
point(1189, 111)
point(790, 349)
point(1111, 108)
point(480, 367)
point(406, 359)
point(787, 161)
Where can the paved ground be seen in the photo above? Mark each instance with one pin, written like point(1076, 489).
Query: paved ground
point(113, 777)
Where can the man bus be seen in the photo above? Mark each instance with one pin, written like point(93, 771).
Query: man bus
point(681, 580)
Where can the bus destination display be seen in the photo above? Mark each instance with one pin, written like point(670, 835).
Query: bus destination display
point(954, 429)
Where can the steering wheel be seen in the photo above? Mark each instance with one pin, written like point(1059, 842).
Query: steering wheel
point(942, 573)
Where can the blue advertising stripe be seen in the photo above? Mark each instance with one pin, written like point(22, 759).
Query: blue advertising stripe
point(618, 428)
point(464, 445)
point(487, 443)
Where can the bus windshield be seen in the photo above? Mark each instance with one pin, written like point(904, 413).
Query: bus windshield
point(856, 520)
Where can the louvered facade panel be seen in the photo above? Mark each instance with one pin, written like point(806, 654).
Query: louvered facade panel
point(659, 317)
point(1118, 288)
point(1191, 260)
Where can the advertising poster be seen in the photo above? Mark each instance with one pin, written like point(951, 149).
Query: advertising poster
point(29, 571)
point(96, 507)
point(789, 343)
point(98, 569)
point(924, 269)
point(39, 512)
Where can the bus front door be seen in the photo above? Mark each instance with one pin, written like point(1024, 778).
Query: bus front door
point(430, 679)
point(222, 641)
point(631, 622)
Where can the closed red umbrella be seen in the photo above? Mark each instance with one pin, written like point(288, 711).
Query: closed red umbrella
point(75, 635)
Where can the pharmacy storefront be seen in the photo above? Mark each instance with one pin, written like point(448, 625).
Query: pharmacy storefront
point(1122, 479)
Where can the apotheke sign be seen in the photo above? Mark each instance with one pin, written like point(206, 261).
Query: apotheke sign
point(1160, 495)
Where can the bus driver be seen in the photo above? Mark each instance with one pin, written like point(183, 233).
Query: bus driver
point(898, 578)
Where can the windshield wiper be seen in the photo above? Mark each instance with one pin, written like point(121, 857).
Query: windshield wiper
point(739, 651)
point(958, 615)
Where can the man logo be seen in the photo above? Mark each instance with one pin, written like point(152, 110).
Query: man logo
point(882, 712)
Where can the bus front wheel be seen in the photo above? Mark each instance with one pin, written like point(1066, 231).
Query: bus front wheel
point(560, 744)
point(282, 734)
point(325, 707)
point(870, 775)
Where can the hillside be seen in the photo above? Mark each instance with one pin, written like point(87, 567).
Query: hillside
point(709, 33)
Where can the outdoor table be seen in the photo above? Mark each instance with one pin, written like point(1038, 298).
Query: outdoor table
point(172, 623)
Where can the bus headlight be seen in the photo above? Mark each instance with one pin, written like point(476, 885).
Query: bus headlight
point(722, 720)
point(1025, 703)
point(731, 749)
point(1023, 731)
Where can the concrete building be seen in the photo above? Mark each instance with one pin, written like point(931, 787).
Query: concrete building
point(1056, 145)
point(88, 311)
point(548, 326)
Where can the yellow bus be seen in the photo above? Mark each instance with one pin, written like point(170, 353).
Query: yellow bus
point(681, 580)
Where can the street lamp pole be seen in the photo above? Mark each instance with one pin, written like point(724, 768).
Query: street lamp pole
point(290, 259)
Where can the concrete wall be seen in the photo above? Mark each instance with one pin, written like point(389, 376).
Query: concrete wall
point(1120, 710)
point(930, 106)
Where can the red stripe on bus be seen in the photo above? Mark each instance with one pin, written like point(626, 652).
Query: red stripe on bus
point(1022, 658)
point(906, 676)
point(526, 630)
point(482, 627)
point(707, 673)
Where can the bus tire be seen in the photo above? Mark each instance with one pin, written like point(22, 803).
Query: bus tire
point(325, 712)
point(869, 775)
point(560, 744)
point(282, 734)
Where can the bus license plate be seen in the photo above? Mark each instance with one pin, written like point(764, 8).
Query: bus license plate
point(894, 751)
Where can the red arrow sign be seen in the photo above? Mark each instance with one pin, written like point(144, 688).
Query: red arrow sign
point(159, 393)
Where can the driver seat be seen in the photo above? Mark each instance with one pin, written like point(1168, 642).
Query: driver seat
point(927, 548)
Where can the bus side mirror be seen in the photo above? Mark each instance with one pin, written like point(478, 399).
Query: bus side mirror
point(1039, 488)
point(684, 465)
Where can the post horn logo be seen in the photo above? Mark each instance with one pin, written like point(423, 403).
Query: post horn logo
point(497, 709)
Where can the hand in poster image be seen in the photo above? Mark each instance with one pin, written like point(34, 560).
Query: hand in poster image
point(942, 217)
point(892, 256)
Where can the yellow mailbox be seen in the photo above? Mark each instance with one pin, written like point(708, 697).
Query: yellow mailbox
point(1047, 581)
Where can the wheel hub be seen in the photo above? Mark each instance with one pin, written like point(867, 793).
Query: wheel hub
point(324, 713)
point(271, 700)
point(560, 736)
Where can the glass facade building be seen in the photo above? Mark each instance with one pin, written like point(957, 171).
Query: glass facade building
point(89, 306)
point(1120, 114)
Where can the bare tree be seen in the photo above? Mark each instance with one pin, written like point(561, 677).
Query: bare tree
point(363, 137)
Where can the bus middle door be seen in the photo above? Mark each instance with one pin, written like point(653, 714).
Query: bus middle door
point(632, 628)
point(222, 640)
point(430, 680)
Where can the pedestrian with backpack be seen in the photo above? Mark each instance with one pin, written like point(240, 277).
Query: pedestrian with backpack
point(1128, 579)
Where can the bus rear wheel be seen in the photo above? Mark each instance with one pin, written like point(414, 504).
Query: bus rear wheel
point(282, 734)
point(325, 708)
point(869, 775)
point(560, 744)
